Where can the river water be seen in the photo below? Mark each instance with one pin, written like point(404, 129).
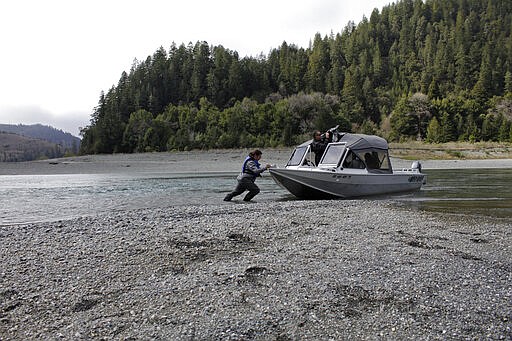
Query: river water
point(484, 192)
point(40, 198)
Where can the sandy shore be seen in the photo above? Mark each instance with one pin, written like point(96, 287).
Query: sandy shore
point(297, 270)
point(198, 161)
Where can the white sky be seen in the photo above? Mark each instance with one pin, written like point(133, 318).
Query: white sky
point(58, 55)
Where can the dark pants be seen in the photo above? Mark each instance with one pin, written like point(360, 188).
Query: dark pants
point(243, 185)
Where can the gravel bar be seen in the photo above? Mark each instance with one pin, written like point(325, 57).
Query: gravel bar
point(298, 270)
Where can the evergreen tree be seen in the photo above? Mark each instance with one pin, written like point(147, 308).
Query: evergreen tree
point(403, 123)
point(201, 67)
point(335, 75)
point(434, 132)
point(447, 128)
point(318, 65)
point(483, 87)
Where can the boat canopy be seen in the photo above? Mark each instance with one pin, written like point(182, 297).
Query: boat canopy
point(363, 151)
point(357, 141)
point(361, 141)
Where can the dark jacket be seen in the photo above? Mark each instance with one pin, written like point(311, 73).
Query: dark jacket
point(318, 147)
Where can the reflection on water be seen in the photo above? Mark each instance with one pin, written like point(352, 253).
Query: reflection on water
point(468, 191)
point(33, 198)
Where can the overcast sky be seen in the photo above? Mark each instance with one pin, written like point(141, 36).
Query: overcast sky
point(58, 55)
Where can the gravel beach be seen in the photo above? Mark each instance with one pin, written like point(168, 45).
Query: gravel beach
point(310, 270)
point(293, 270)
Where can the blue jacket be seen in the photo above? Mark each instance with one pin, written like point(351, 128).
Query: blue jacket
point(250, 169)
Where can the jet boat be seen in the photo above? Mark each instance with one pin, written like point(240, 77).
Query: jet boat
point(353, 165)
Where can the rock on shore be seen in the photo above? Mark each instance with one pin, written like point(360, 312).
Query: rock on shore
point(301, 270)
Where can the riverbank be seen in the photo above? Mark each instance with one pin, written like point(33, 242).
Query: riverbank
point(415, 150)
point(302, 270)
point(225, 160)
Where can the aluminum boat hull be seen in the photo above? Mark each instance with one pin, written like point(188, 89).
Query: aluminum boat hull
point(326, 184)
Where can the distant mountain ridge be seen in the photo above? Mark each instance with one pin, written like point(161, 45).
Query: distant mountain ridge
point(31, 142)
point(43, 132)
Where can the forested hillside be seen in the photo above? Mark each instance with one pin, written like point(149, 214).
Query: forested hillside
point(66, 141)
point(15, 148)
point(435, 70)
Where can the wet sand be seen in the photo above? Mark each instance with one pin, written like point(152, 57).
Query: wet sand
point(296, 270)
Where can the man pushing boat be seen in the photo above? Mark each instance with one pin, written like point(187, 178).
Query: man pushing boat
point(251, 169)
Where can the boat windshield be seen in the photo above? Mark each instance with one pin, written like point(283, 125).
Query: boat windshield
point(333, 154)
point(297, 156)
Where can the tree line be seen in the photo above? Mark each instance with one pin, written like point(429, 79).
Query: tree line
point(435, 70)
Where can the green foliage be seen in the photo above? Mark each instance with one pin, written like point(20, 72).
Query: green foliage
point(368, 127)
point(403, 121)
point(504, 131)
point(136, 133)
point(395, 73)
point(434, 133)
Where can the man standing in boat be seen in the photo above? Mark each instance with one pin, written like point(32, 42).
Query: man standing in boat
point(251, 169)
point(320, 142)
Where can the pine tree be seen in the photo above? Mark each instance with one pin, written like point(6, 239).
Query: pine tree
point(201, 67)
point(335, 75)
point(434, 133)
point(447, 128)
point(318, 65)
point(483, 88)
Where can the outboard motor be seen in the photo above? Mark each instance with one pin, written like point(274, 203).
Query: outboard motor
point(416, 165)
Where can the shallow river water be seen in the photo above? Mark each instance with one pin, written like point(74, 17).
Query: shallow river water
point(37, 198)
point(485, 192)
